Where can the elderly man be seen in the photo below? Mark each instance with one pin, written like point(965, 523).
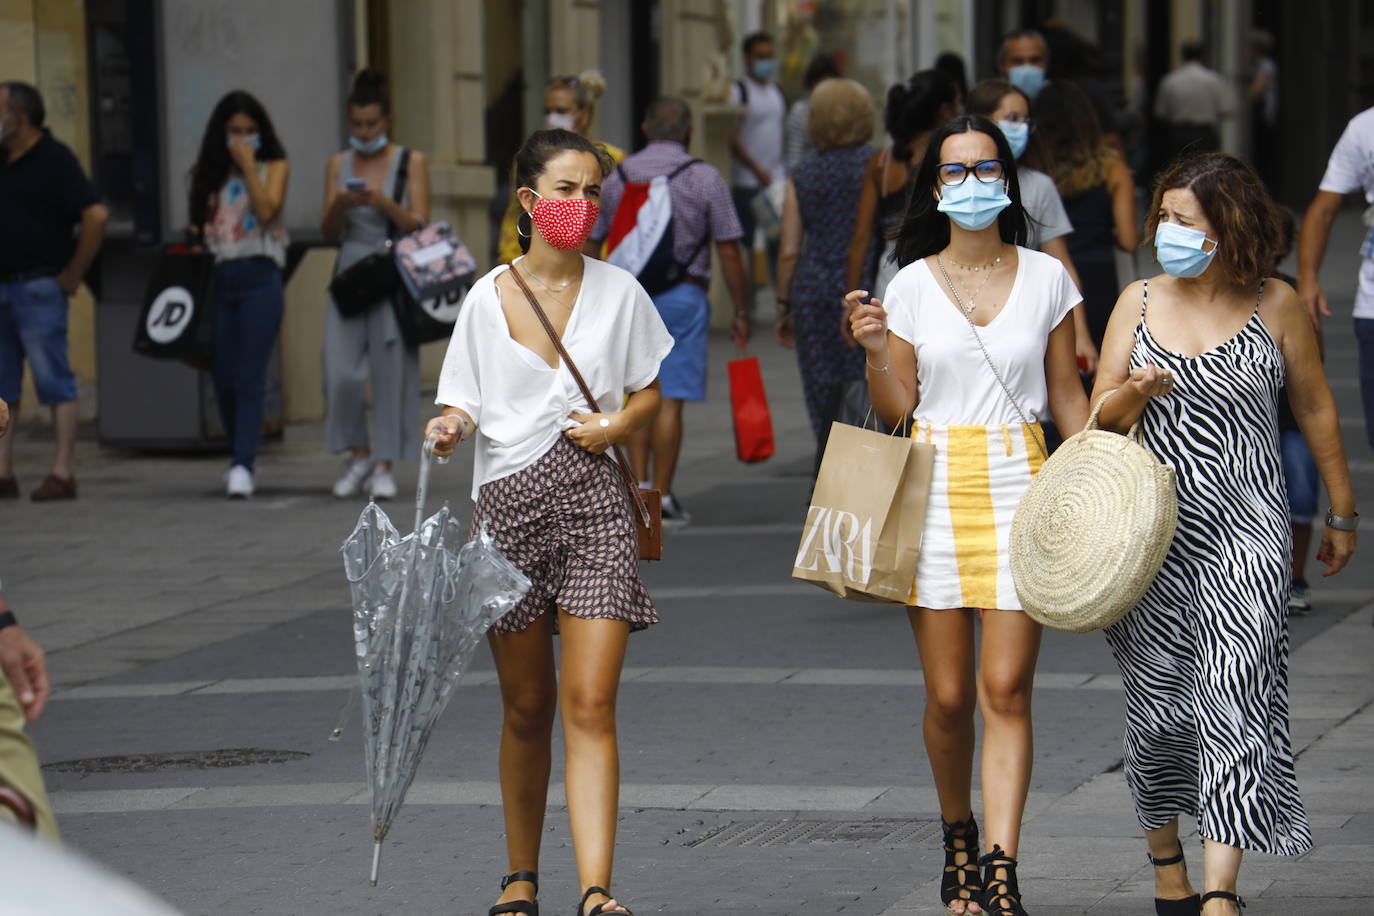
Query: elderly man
point(703, 217)
point(44, 195)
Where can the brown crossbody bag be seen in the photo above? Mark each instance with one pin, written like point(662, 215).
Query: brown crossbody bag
point(645, 505)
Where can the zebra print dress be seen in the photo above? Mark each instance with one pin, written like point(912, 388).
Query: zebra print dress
point(1204, 656)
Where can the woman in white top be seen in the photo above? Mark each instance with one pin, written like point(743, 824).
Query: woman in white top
point(964, 265)
point(238, 190)
point(554, 501)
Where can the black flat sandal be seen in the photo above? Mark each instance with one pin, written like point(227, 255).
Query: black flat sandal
point(1186, 906)
point(525, 907)
point(600, 907)
point(961, 861)
point(1224, 895)
point(1001, 894)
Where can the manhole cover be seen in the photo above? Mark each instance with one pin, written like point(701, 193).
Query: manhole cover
point(177, 760)
point(802, 833)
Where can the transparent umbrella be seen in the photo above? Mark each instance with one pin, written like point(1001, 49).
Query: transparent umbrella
point(421, 605)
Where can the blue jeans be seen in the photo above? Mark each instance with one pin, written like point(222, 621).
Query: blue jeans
point(1364, 334)
point(1300, 472)
point(248, 308)
point(33, 326)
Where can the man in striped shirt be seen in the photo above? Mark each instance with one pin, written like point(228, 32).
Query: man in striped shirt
point(703, 216)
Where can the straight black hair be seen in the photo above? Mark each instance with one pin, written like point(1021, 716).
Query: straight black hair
point(25, 98)
point(211, 169)
point(925, 230)
point(534, 156)
point(913, 108)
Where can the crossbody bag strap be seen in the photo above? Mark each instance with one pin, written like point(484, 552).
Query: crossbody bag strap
point(398, 187)
point(636, 498)
point(1016, 405)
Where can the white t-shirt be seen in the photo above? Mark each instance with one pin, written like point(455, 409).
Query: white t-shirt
point(760, 131)
point(521, 404)
point(956, 386)
point(1048, 218)
point(1351, 169)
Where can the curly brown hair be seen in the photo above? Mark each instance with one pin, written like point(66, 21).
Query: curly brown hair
point(1245, 221)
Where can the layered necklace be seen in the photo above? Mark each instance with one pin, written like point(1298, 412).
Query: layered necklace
point(556, 290)
point(985, 269)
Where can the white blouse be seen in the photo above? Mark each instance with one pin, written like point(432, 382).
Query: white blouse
point(520, 403)
point(955, 385)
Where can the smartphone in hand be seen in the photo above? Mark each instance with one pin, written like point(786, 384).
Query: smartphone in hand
point(355, 184)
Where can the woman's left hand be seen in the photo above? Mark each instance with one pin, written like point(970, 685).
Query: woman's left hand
point(1336, 550)
point(598, 432)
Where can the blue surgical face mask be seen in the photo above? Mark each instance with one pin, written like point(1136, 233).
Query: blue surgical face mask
point(368, 147)
point(1029, 78)
point(253, 140)
point(764, 69)
point(973, 204)
point(1179, 250)
point(1017, 134)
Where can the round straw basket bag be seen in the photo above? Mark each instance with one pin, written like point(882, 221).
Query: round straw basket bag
point(1092, 530)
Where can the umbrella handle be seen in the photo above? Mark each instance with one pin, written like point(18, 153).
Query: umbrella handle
point(427, 457)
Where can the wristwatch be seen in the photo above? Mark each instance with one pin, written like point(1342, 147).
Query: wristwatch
point(1341, 522)
point(7, 620)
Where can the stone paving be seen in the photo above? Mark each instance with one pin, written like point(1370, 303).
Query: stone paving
point(770, 739)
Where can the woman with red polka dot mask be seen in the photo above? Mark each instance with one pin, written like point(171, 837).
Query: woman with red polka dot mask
point(550, 495)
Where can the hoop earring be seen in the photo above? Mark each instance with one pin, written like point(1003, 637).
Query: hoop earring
point(526, 234)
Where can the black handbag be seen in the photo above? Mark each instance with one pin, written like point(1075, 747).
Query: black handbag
point(428, 320)
point(373, 278)
point(177, 320)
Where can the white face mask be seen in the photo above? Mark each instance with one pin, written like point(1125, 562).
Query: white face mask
point(560, 120)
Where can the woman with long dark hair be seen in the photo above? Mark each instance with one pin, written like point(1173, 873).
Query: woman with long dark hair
point(1097, 189)
point(973, 346)
point(238, 189)
point(914, 109)
point(361, 211)
point(1197, 357)
point(554, 500)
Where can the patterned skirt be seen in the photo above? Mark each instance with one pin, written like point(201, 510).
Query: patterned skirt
point(981, 472)
point(565, 522)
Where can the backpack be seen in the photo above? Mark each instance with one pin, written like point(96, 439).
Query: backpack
point(641, 236)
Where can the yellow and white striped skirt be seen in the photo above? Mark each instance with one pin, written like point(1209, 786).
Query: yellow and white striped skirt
point(980, 475)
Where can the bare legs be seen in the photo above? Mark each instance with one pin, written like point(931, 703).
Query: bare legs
point(64, 418)
point(1002, 687)
point(593, 652)
point(663, 442)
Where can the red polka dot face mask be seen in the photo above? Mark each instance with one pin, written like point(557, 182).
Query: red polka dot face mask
point(564, 223)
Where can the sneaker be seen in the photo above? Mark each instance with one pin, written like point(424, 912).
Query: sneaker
point(1299, 602)
point(380, 484)
point(54, 487)
point(9, 488)
point(238, 482)
point(350, 482)
point(674, 516)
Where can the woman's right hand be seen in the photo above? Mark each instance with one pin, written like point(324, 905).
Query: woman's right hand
point(867, 321)
point(445, 432)
point(1150, 381)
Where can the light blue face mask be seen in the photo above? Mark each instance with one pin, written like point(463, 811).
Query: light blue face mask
point(973, 204)
point(1179, 250)
point(368, 147)
point(253, 140)
point(765, 69)
point(1017, 134)
point(1029, 78)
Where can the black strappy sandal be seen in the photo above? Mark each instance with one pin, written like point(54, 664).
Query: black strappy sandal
point(1224, 895)
point(1186, 906)
point(961, 859)
point(600, 907)
point(525, 907)
point(1001, 894)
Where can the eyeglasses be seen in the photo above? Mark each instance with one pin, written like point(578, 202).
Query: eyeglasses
point(1017, 119)
point(987, 171)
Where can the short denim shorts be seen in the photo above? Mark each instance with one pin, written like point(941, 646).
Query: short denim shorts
point(33, 326)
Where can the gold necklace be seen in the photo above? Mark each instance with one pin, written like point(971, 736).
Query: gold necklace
point(972, 299)
point(988, 266)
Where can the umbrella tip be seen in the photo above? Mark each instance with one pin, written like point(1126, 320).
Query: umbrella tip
point(376, 860)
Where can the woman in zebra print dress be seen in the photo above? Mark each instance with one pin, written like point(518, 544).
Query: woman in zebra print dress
point(1198, 356)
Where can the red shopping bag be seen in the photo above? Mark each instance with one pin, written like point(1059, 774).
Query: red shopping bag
point(749, 404)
